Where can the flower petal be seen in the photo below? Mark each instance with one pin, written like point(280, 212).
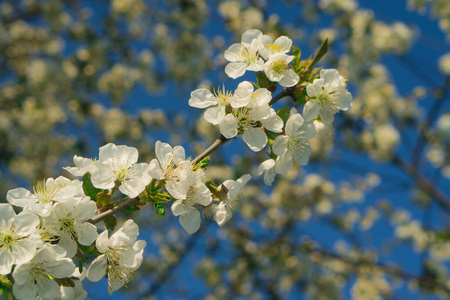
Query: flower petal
point(202, 98)
point(214, 114)
point(255, 138)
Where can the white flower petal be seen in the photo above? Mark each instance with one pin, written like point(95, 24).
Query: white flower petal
point(214, 114)
point(228, 126)
point(294, 124)
point(191, 221)
point(235, 69)
point(255, 138)
point(202, 98)
point(249, 35)
point(97, 269)
point(289, 79)
point(280, 145)
point(311, 110)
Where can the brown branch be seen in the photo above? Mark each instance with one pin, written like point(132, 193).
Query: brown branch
point(99, 217)
point(217, 144)
point(282, 94)
point(424, 184)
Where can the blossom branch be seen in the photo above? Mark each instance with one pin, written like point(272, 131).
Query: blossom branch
point(281, 95)
point(99, 217)
point(217, 144)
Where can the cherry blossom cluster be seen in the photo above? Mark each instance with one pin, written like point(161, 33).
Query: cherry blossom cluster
point(56, 227)
point(39, 245)
point(248, 111)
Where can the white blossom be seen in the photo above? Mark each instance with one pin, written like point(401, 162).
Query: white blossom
point(122, 255)
point(68, 220)
point(268, 47)
point(293, 145)
point(223, 211)
point(44, 194)
point(36, 277)
point(202, 98)
point(165, 165)
point(118, 164)
point(19, 237)
point(82, 166)
point(189, 191)
point(244, 56)
point(328, 95)
point(268, 168)
point(246, 119)
point(277, 70)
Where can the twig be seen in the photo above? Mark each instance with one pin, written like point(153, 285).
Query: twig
point(427, 186)
point(282, 94)
point(218, 143)
point(99, 217)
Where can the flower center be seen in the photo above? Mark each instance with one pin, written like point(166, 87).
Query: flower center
point(245, 119)
point(68, 224)
point(327, 102)
point(37, 275)
point(297, 143)
point(248, 56)
point(45, 192)
point(7, 240)
point(279, 66)
point(116, 254)
point(274, 48)
point(123, 169)
point(170, 171)
point(222, 96)
point(119, 273)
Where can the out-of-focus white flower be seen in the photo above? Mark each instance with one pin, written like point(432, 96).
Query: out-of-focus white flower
point(202, 98)
point(245, 118)
point(122, 255)
point(268, 47)
point(45, 193)
point(277, 70)
point(68, 220)
point(443, 125)
point(36, 277)
point(244, 56)
point(328, 95)
point(444, 64)
point(118, 164)
point(19, 237)
point(293, 145)
point(165, 165)
point(268, 168)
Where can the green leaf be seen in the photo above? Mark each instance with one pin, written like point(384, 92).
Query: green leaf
point(80, 266)
point(131, 208)
point(320, 53)
point(262, 80)
point(110, 222)
point(203, 163)
point(160, 210)
point(296, 62)
point(284, 113)
point(88, 187)
point(103, 199)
